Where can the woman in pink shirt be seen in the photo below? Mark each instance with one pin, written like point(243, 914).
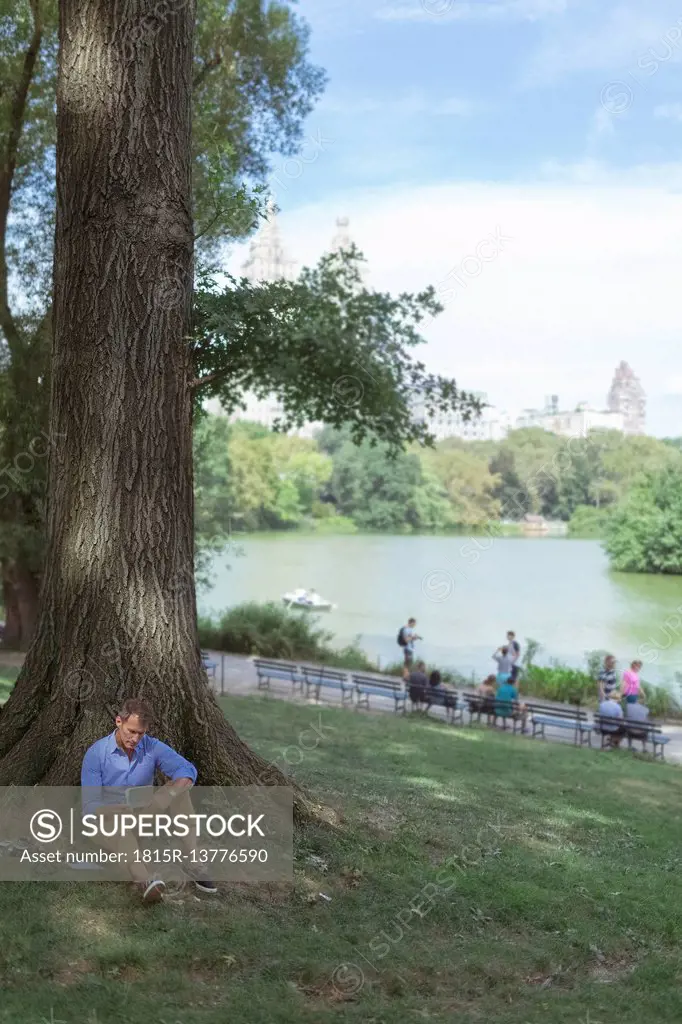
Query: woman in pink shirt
point(631, 682)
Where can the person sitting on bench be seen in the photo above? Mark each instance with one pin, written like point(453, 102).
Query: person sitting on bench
point(418, 685)
point(488, 687)
point(610, 708)
point(442, 693)
point(506, 695)
point(637, 712)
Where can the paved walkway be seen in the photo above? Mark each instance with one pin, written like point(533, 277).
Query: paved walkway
point(236, 675)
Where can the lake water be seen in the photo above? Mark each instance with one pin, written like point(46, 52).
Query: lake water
point(465, 593)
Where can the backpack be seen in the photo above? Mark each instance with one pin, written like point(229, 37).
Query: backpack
point(402, 642)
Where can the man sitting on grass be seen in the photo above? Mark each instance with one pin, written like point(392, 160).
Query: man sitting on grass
point(126, 759)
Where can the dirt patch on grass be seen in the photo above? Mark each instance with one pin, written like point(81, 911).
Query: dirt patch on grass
point(612, 969)
point(382, 821)
point(73, 972)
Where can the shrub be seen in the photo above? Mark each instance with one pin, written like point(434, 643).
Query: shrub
point(272, 631)
point(335, 524)
point(588, 521)
point(573, 686)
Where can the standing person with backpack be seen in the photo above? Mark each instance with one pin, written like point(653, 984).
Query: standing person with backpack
point(406, 639)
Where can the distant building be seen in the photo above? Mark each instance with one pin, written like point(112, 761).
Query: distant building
point(268, 260)
point(534, 524)
point(569, 423)
point(628, 398)
point(491, 425)
point(342, 242)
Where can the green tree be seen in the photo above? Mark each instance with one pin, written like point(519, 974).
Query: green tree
point(644, 533)
point(331, 350)
point(381, 490)
point(254, 85)
point(304, 470)
point(513, 493)
point(463, 471)
point(118, 609)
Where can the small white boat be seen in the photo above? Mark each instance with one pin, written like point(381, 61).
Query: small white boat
point(309, 600)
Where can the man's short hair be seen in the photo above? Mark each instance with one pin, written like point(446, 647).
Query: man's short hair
point(510, 632)
point(133, 706)
point(411, 622)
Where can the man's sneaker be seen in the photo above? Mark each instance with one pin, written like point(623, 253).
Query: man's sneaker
point(151, 892)
point(204, 885)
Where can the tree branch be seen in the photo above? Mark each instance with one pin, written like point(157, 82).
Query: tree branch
point(209, 65)
point(214, 220)
point(199, 382)
point(8, 166)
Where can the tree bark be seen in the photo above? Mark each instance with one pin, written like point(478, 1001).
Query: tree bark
point(118, 606)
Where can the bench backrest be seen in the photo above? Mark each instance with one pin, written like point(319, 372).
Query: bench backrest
point(319, 675)
point(490, 704)
point(641, 726)
point(562, 712)
point(627, 723)
point(378, 682)
point(279, 666)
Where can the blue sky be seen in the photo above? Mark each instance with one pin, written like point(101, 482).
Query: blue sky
point(555, 123)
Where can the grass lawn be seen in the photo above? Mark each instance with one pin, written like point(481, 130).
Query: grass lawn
point(474, 877)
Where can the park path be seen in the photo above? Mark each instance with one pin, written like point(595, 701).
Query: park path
point(236, 676)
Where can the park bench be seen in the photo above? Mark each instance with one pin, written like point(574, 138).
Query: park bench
point(492, 708)
point(448, 699)
point(269, 669)
point(645, 732)
point(209, 666)
point(543, 715)
point(436, 696)
point(334, 679)
point(379, 686)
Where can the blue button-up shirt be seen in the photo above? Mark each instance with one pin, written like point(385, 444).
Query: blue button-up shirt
point(106, 765)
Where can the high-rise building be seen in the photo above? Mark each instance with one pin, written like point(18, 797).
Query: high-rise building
point(627, 397)
point(268, 259)
point(341, 239)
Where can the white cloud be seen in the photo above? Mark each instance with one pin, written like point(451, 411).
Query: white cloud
point(589, 276)
point(625, 39)
point(462, 10)
point(671, 111)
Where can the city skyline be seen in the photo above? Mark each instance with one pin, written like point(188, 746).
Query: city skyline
point(538, 199)
point(271, 255)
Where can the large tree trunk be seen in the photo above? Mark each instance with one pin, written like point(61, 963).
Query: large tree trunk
point(118, 609)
